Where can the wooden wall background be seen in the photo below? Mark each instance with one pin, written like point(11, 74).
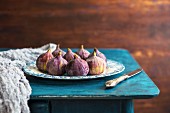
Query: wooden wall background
point(141, 26)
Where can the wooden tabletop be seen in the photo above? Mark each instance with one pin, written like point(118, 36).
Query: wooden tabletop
point(140, 86)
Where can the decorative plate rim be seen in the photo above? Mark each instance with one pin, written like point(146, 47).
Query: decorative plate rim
point(27, 70)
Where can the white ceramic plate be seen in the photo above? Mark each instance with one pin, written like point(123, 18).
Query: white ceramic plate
point(113, 68)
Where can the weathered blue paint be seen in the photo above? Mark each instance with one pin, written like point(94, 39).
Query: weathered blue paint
point(90, 96)
point(140, 86)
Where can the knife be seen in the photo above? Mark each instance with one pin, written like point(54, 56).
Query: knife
point(114, 82)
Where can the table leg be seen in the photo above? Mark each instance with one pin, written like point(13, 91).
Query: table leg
point(127, 106)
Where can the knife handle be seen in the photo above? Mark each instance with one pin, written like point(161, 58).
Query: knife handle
point(114, 82)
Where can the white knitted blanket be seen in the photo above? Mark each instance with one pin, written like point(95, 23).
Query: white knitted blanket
point(14, 87)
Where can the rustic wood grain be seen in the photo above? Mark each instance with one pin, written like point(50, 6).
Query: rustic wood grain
point(142, 27)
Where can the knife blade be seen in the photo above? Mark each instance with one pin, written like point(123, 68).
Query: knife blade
point(114, 82)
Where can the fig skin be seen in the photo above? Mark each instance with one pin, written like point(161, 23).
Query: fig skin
point(69, 55)
point(83, 53)
point(57, 50)
point(77, 67)
point(43, 59)
point(99, 54)
point(96, 65)
point(57, 65)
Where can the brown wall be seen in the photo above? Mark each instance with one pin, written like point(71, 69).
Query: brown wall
point(141, 26)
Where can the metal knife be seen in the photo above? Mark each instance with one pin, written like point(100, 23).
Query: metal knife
point(114, 82)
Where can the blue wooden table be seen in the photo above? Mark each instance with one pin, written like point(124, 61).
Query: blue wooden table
point(90, 96)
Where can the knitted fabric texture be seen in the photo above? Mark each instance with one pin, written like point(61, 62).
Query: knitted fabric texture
point(15, 90)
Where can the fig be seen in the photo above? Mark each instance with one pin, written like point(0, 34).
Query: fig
point(57, 65)
point(99, 54)
point(43, 59)
point(77, 67)
point(69, 55)
point(83, 53)
point(96, 64)
point(56, 51)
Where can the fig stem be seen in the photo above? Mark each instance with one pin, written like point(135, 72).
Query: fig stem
point(68, 49)
point(94, 53)
point(49, 50)
point(75, 56)
point(95, 49)
point(59, 53)
point(58, 46)
point(82, 46)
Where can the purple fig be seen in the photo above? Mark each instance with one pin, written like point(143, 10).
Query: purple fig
point(83, 53)
point(77, 67)
point(96, 64)
point(43, 59)
point(56, 51)
point(57, 65)
point(99, 54)
point(69, 55)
